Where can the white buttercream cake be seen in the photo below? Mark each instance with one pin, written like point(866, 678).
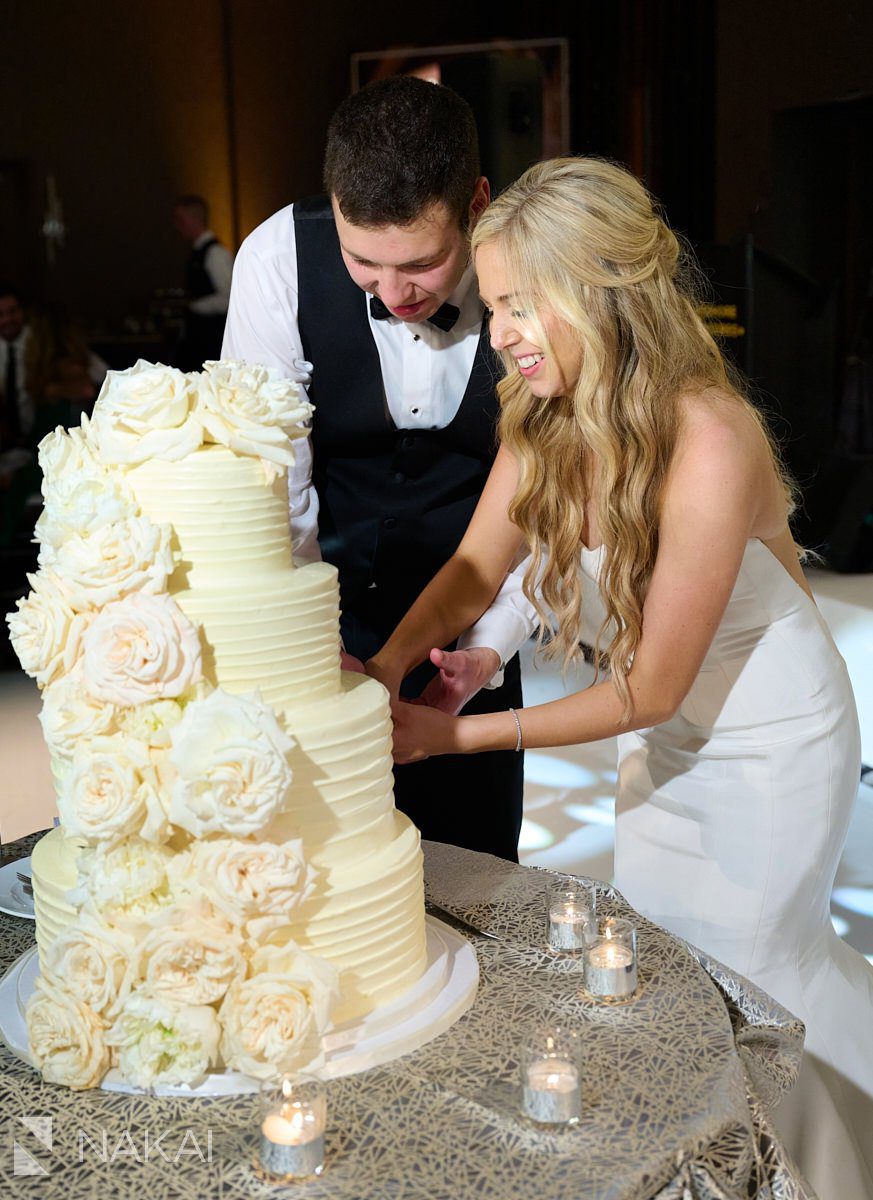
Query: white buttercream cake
point(230, 876)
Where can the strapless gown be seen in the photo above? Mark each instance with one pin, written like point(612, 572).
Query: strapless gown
point(730, 822)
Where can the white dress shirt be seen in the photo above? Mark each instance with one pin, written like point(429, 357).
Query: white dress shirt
point(218, 265)
point(425, 372)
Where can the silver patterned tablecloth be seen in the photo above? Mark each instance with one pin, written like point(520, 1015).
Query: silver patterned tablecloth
point(677, 1085)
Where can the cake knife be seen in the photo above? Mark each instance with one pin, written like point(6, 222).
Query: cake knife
point(451, 919)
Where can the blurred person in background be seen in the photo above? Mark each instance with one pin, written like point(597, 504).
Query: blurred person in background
point(49, 377)
point(207, 284)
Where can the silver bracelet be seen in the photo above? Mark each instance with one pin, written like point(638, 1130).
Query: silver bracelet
point(519, 744)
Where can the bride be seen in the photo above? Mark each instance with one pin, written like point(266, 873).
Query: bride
point(629, 452)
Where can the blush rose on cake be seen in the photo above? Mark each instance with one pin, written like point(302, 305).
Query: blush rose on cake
point(230, 877)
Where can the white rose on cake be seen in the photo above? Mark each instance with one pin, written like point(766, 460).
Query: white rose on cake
point(70, 715)
point(79, 505)
point(233, 773)
point(273, 1022)
point(127, 556)
point(255, 885)
point(155, 795)
point(190, 961)
point(141, 648)
point(45, 631)
point(103, 797)
point(147, 411)
point(159, 1042)
point(91, 962)
point(65, 454)
point(67, 1041)
point(151, 722)
point(126, 883)
point(252, 409)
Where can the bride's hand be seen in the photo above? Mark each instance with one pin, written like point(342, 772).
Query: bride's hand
point(420, 732)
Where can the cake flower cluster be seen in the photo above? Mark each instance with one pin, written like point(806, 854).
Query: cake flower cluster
point(179, 959)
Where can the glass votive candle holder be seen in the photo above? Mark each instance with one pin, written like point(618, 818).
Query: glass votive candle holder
point(610, 968)
point(551, 1077)
point(570, 917)
point(293, 1112)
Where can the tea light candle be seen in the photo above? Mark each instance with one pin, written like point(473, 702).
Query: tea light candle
point(551, 1092)
point(611, 963)
point(292, 1132)
point(551, 1074)
point(570, 915)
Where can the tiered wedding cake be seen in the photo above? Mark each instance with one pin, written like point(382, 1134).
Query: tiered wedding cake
point(230, 874)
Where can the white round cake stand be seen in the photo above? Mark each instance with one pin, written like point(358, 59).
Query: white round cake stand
point(443, 993)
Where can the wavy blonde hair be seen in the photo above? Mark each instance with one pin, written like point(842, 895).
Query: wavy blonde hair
point(583, 238)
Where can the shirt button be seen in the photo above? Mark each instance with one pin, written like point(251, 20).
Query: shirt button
point(390, 522)
point(407, 443)
point(415, 412)
point(416, 337)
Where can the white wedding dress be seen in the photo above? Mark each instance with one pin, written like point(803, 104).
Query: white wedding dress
point(730, 822)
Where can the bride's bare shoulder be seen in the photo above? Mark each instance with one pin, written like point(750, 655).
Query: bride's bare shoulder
point(713, 420)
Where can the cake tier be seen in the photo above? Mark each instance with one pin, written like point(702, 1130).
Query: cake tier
point(366, 912)
point(53, 874)
point(229, 516)
point(365, 918)
point(264, 624)
point(278, 633)
point(341, 801)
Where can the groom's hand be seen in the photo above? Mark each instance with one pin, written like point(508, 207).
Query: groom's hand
point(461, 674)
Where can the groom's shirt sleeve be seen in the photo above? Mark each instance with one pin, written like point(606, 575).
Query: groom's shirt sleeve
point(262, 328)
point(507, 624)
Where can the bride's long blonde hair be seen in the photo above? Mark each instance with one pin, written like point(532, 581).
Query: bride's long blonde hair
point(584, 238)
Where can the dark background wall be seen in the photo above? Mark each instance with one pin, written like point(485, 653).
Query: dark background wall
point(128, 104)
point(774, 55)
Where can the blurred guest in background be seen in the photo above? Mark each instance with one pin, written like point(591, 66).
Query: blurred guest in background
point(17, 412)
point(49, 377)
point(207, 283)
point(62, 375)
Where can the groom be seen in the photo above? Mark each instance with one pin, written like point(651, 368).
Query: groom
point(367, 296)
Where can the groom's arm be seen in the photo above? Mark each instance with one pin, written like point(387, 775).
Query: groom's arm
point(262, 328)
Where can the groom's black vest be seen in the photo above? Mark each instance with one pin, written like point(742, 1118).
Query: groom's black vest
point(394, 503)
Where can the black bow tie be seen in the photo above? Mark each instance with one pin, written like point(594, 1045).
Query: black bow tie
point(444, 317)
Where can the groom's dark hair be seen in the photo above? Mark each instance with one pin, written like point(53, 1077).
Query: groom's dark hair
point(398, 146)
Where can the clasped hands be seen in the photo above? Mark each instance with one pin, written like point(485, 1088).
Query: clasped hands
point(429, 724)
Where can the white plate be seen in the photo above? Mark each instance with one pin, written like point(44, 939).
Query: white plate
point(445, 992)
point(13, 899)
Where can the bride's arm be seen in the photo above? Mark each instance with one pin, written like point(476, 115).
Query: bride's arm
point(717, 485)
point(462, 590)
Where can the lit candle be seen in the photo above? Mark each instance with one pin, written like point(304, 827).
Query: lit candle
point(570, 914)
point(611, 964)
point(551, 1092)
point(292, 1139)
